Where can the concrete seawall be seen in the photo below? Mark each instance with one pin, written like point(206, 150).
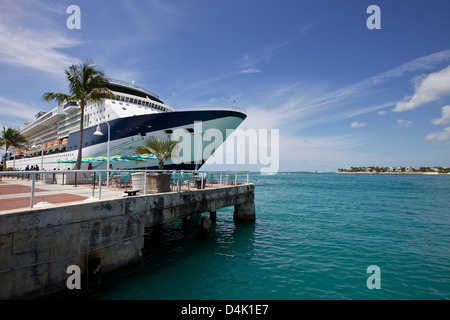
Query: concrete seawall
point(101, 237)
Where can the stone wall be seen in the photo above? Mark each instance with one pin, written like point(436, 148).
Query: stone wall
point(39, 245)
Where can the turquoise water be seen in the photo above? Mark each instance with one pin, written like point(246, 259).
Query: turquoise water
point(314, 238)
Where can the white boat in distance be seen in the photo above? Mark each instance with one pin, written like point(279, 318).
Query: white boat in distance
point(134, 115)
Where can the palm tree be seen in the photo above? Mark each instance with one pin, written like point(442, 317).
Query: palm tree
point(162, 149)
point(12, 138)
point(87, 84)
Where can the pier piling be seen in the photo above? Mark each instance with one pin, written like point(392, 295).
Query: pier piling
point(244, 212)
point(205, 228)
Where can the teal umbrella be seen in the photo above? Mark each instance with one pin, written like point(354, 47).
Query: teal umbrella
point(134, 158)
point(147, 156)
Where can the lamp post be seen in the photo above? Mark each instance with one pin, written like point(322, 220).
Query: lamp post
point(98, 132)
point(14, 157)
point(42, 152)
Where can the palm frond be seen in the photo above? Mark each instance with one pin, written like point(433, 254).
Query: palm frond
point(87, 83)
point(12, 138)
point(162, 149)
point(60, 97)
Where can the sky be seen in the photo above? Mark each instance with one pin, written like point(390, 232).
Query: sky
point(332, 91)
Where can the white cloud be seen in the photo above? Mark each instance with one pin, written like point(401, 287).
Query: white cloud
point(251, 70)
point(16, 109)
point(404, 123)
point(250, 61)
point(381, 113)
point(295, 152)
point(357, 124)
point(316, 109)
point(445, 118)
point(439, 136)
point(431, 88)
point(29, 37)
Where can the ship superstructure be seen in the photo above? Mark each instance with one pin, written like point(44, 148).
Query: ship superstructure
point(134, 114)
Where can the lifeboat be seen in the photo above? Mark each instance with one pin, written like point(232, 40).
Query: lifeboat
point(57, 144)
point(64, 144)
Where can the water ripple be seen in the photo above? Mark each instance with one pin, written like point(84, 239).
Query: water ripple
point(314, 238)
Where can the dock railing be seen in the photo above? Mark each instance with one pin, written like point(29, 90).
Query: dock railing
point(128, 180)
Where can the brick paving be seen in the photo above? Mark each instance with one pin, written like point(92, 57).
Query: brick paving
point(24, 202)
point(16, 194)
point(10, 188)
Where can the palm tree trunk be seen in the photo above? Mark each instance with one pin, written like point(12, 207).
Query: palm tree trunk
point(80, 144)
point(4, 163)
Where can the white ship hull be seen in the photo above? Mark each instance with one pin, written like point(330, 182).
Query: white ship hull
point(197, 149)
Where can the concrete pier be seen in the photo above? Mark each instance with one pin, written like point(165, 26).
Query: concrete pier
point(41, 248)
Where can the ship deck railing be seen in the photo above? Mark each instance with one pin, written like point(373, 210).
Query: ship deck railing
point(206, 108)
point(124, 180)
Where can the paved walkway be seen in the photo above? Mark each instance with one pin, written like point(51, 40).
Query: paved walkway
point(16, 194)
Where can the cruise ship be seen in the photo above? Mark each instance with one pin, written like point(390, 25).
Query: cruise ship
point(135, 114)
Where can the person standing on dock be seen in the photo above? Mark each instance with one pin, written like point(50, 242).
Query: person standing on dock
point(2, 167)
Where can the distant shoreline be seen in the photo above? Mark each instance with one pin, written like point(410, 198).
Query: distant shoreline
point(427, 173)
